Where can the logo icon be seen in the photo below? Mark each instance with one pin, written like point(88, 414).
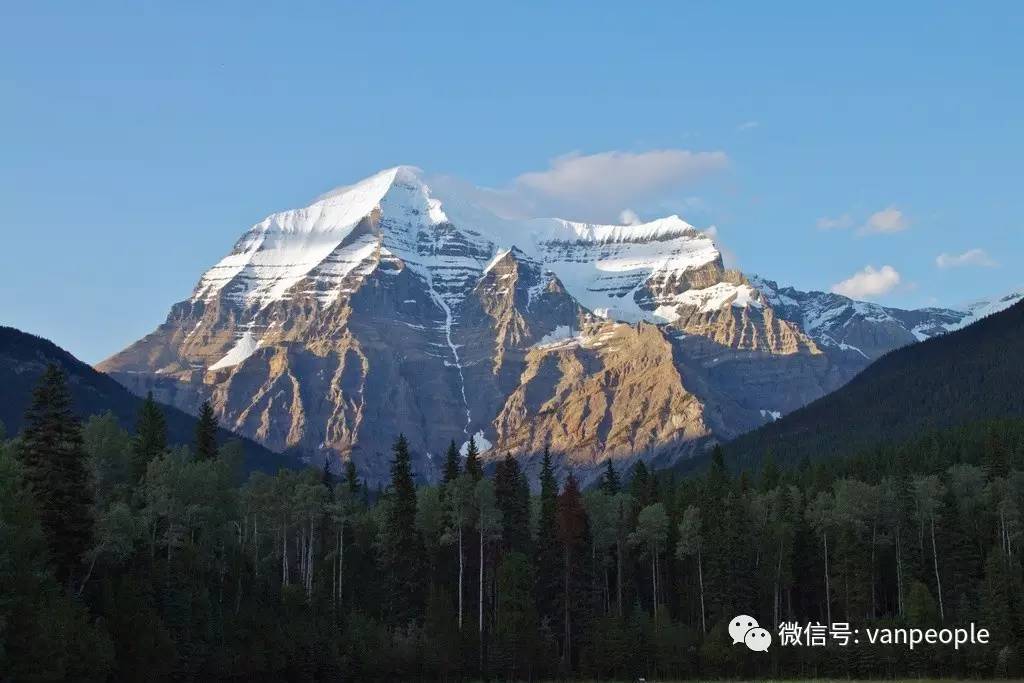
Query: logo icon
point(745, 629)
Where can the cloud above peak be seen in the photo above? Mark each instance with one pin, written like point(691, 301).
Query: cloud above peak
point(976, 258)
point(595, 187)
point(869, 283)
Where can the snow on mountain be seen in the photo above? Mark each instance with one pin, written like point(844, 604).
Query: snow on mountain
point(602, 266)
point(245, 347)
point(710, 299)
point(394, 305)
point(976, 310)
point(282, 249)
point(860, 327)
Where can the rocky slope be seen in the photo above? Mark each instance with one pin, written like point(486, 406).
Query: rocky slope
point(384, 307)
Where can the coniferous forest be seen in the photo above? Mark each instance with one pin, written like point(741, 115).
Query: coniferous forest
point(122, 558)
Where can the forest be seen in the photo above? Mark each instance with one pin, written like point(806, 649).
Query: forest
point(967, 376)
point(124, 559)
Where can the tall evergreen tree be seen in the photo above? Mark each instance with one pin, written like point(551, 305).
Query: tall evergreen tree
point(513, 499)
point(451, 463)
point(352, 477)
point(573, 537)
point(610, 482)
point(56, 469)
point(150, 436)
point(206, 433)
point(473, 466)
point(402, 547)
point(641, 485)
point(549, 557)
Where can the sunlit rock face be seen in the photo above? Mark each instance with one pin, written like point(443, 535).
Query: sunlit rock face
point(385, 307)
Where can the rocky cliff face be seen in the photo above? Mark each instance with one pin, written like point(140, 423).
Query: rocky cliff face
point(384, 308)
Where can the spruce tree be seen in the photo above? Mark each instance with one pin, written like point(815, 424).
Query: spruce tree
point(640, 486)
point(352, 477)
point(513, 499)
point(56, 469)
point(573, 539)
point(206, 433)
point(769, 473)
point(402, 547)
point(549, 556)
point(326, 479)
point(610, 482)
point(451, 463)
point(473, 466)
point(150, 436)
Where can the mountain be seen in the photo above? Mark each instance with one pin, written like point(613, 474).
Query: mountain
point(969, 375)
point(24, 357)
point(398, 305)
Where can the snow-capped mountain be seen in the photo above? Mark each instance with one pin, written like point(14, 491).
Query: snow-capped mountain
point(387, 306)
point(982, 308)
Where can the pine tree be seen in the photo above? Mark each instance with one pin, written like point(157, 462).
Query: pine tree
point(150, 436)
point(402, 548)
point(573, 538)
point(610, 482)
point(769, 473)
point(473, 461)
point(513, 499)
point(549, 557)
point(206, 433)
point(326, 479)
point(352, 477)
point(56, 468)
point(451, 463)
point(640, 486)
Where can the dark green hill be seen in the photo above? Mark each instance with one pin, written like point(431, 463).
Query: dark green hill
point(24, 357)
point(971, 375)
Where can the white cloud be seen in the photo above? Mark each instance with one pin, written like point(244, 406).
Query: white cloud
point(838, 223)
point(977, 258)
point(869, 283)
point(885, 221)
point(629, 217)
point(595, 187)
point(748, 125)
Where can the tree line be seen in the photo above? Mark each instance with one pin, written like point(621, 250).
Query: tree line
point(124, 558)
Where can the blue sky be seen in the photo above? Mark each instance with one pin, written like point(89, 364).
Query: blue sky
point(139, 140)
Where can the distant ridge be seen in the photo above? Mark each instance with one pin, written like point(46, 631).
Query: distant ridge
point(970, 375)
point(24, 357)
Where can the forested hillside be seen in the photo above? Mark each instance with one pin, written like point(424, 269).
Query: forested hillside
point(23, 360)
point(168, 570)
point(976, 373)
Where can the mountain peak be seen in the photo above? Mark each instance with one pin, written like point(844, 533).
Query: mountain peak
point(381, 180)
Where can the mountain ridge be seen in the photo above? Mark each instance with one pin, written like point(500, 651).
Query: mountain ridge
point(23, 359)
point(387, 306)
point(970, 375)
